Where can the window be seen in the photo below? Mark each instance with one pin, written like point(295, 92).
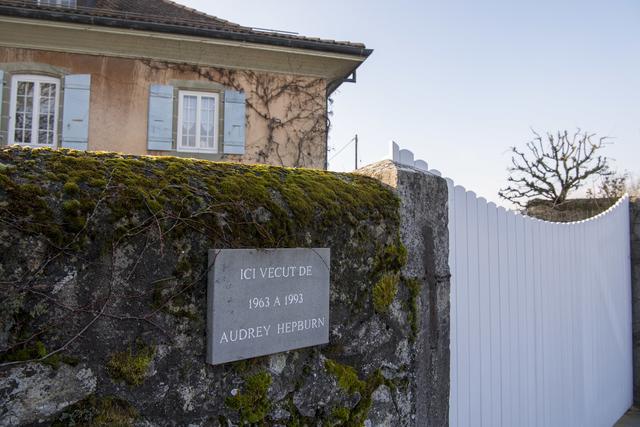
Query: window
point(194, 123)
point(62, 3)
point(34, 110)
point(198, 122)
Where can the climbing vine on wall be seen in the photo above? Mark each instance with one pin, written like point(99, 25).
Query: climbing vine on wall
point(293, 110)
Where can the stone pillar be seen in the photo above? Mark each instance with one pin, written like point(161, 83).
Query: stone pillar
point(634, 215)
point(423, 217)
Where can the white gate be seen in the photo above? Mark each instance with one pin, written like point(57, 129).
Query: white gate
point(540, 315)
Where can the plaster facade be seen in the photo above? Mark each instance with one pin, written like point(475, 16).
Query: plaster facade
point(286, 114)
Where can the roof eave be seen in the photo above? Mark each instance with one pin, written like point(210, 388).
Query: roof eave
point(335, 84)
point(185, 30)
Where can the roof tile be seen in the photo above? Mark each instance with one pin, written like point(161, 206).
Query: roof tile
point(162, 12)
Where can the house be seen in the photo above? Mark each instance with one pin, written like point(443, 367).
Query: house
point(155, 77)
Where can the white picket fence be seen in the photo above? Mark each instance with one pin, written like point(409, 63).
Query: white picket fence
point(540, 315)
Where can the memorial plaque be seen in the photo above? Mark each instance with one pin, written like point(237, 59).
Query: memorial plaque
point(264, 301)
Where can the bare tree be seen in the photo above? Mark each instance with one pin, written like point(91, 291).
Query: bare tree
point(553, 166)
point(615, 186)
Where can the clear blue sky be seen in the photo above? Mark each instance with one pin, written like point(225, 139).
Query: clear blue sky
point(458, 82)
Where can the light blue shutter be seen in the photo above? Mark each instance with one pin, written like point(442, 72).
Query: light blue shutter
point(234, 122)
point(75, 111)
point(160, 131)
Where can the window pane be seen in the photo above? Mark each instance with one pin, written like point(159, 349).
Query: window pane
point(189, 120)
point(25, 88)
point(24, 112)
point(43, 137)
point(46, 118)
point(24, 97)
point(63, 3)
point(207, 125)
point(47, 97)
point(18, 135)
point(45, 129)
point(22, 125)
point(23, 136)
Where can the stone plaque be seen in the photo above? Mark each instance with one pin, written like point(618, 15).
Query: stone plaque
point(264, 301)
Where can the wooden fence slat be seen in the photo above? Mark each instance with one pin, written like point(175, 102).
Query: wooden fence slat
point(484, 306)
point(453, 325)
point(530, 330)
point(494, 308)
point(475, 386)
point(505, 374)
point(462, 300)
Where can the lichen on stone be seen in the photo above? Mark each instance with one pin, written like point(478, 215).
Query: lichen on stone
point(33, 391)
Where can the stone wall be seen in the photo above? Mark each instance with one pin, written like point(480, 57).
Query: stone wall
point(103, 262)
point(423, 219)
point(569, 211)
point(634, 215)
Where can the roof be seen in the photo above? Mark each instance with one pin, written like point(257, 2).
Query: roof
point(170, 17)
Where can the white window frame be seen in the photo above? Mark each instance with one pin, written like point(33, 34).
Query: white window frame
point(36, 80)
point(216, 121)
point(72, 3)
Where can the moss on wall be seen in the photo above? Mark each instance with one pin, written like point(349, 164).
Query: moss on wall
point(348, 380)
point(291, 199)
point(385, 291)
point(131, 365)
point(100, 250)
point(98, 411)
point(347, 377)
point(36, 350)
point(252, 404)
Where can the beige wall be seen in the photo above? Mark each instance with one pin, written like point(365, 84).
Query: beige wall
point(286, 114)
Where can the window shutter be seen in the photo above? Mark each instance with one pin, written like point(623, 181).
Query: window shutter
point(75, 111)
point(234, 122)
point(160, 131)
